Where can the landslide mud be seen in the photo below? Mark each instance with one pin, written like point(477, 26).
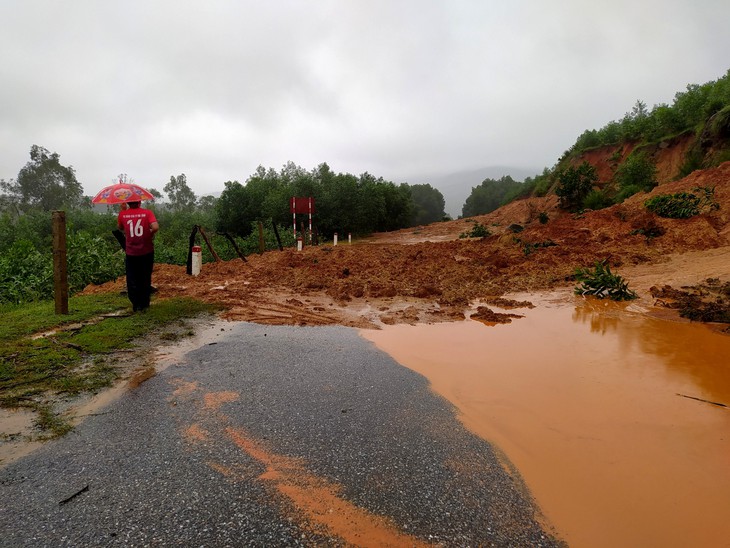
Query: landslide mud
point(438, 274)
point(605, 411)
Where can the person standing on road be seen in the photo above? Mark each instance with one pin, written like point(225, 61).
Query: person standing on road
point(139, 226)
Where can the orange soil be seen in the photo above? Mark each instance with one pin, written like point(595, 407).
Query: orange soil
point(429, 274)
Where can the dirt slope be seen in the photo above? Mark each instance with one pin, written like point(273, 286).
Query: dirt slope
point(668, 156)
point(428, 273)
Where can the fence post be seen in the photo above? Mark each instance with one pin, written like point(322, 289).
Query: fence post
point(262, 247)
point(60, 273)
point(276, 233)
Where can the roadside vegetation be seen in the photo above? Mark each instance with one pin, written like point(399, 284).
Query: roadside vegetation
point(44, 356)
point(344, 203)
point(701, 113)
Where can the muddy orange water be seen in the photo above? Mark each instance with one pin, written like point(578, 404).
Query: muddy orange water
point(594, 402)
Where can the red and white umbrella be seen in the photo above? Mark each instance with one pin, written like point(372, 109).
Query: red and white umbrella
point(121, 192)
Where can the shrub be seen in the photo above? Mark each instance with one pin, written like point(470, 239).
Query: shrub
point(477, 231)
point(542, 186)
point(602, 283)
point(25, 274)
point(91, 260)
point(596, 199)
point(626, 192)
point(575, 184)
point(528, 248)
point(637, 171)
point(682, 205)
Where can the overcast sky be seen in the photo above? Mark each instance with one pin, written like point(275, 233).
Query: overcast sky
point(397, 88)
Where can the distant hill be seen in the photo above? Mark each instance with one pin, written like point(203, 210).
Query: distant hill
point(456, 187)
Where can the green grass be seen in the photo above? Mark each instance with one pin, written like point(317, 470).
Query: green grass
point(50, 422)
point(71, 361)
point(21, 320)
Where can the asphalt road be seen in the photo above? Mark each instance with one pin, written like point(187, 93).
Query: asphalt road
point(271, 436)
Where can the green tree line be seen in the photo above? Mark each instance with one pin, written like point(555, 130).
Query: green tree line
point(688, 112)
point(344, 203)
point(494, 193)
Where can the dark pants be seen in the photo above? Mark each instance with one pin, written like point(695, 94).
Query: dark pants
point(139, 279)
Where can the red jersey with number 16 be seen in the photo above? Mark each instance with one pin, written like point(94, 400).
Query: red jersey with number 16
point(136, 225)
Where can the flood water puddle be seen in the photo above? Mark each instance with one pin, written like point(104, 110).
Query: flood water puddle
point(604, 410)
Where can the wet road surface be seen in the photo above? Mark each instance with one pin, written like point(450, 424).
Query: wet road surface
point(271, 436)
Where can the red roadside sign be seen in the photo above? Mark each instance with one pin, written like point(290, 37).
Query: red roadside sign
point(301, 205)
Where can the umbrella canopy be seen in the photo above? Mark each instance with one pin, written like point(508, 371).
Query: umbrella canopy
point(121, 192)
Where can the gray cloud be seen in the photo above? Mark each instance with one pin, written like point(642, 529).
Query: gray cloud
point(399, 88)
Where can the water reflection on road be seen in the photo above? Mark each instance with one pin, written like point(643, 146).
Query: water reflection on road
point(586, 398)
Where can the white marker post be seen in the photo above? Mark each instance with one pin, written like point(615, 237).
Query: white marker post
point(197, 260)
point(349, 238)
point(335, 240)
point(300, 244)
point(310, 221)
point(294, 215)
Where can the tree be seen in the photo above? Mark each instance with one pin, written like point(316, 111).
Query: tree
point(637, 172)
point(428, 204)
point(156, 193)
point(575, 184)
point(207, 203)
point(182, 198)
point(230, 209)
point(44, 183)
point(488, 196)
point(123, 178)
point(7, 202)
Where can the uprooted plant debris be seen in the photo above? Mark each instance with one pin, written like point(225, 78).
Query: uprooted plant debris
point(707, 302)
point(508, 303)
point(487, 315)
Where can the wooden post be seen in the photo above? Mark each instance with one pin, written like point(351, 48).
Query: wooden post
point(262, 247)
point(60, 274)
point(234, 244)
point(276, 233)
point(207, 242)
point(191, 243)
